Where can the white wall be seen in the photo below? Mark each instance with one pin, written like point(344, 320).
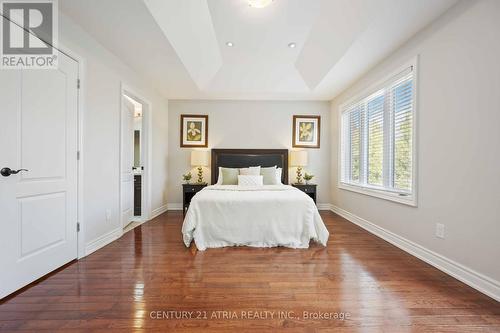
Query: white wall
point(248, 124)
point(458, 140)
point(102, 78)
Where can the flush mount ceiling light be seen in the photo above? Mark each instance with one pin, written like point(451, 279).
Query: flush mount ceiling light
point(292, 45)
point(229, 44)
point(259, 3)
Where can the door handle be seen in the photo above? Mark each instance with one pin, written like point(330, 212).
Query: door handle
point(6, 172)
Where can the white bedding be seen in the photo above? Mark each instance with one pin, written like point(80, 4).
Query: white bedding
point(258, 216)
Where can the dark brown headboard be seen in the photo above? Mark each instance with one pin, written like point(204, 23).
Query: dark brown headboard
point(243, 158)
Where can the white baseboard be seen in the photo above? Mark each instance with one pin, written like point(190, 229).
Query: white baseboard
point(103, 241)
point(462, 273)
point(158, 211)
point(324, 206)
point(174, 206)
point(117, 233)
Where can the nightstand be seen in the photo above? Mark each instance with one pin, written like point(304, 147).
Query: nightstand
point(188, 192)
point(310, 189)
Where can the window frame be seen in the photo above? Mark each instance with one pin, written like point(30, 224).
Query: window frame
point(374, 191)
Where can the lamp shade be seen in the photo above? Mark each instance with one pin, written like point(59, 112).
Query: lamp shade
point(199, 158)
point(298, 158)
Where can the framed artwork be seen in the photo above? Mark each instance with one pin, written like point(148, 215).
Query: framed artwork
point(306, 131)
point(194, 130)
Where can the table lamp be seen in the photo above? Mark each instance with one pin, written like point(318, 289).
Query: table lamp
point(298, 158)
point(199, 159)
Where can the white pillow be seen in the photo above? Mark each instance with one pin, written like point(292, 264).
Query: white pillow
point(279, 172)
point(219, 178)
point(251, 171)
point(250, 180)
point(254, 171)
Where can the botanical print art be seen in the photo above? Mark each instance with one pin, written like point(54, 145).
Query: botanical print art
point(306, 131)
point(194, 130)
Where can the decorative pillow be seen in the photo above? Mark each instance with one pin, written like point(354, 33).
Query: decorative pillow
point(229, 176)
point(219, 178)
point(269, 175)
point(251, 171)
point(279, 173)
point(246, 180)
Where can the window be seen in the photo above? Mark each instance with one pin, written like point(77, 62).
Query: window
point(377, 140)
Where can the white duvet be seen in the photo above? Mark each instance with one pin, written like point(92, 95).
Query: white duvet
point(262, 216)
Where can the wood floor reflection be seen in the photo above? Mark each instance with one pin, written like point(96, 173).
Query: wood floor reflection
point(148, 281)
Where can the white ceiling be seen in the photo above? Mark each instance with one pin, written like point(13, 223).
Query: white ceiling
point(180, 45)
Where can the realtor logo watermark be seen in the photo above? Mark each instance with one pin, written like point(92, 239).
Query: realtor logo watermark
point(29, 34)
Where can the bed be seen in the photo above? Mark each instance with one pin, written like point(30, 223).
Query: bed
point(256, 216)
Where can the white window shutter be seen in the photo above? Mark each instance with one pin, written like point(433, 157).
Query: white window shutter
point(377, 137)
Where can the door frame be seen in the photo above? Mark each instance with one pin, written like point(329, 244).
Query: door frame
point(146, 146)
point(80, 165)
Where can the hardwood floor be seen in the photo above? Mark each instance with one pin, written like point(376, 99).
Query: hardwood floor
point(134, 283)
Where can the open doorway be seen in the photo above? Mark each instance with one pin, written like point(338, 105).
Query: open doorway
point(133, 175)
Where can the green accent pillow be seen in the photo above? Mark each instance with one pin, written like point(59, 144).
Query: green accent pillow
point(269, 175)
point(229, 176)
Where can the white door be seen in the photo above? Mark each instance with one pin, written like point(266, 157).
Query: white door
point(127, 162)
point(38, 207)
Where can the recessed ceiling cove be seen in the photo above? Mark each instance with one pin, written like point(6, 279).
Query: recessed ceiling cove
point(189, 28)
point(226, 49)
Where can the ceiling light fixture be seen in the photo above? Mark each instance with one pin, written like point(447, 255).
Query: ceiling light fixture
point(229, 44)
point(259, 3)
point(292, 45)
